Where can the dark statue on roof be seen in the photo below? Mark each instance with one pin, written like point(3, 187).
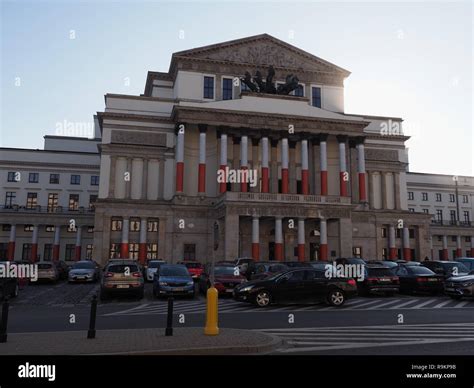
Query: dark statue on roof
point(257, 84)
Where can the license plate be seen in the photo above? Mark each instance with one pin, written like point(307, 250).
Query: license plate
point(123, 286)
point(450, 289)
point(432, 280)
point(229, 290)
point(385, 280)
point(179, 289)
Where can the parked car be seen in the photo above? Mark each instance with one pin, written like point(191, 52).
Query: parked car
point(460, 286)
point(173, 279)
point(226, 278)
point(48, 271)
point(195, 268)
point(296, 264)
point(264, 269)
point(467, 261)
point(411, 262)
point(151, 268)
point(9, 286)
point(378, 279)
point(417, 278)
point(122, 277)
point(244, 263)
point(84, 271)
point(447, 268)
point(350, 260)
point(385, 263)
point(300, 285)
point(63, 269)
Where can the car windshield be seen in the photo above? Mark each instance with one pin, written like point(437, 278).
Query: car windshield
point(45, 266)
point(83, 266)
point(123, 268)
point(175, 270)
point(419, 270)
point(451, 267)
point(225, 270)
point(154, 264)
point(379, 272)
point(277, 268)
point(193, 265)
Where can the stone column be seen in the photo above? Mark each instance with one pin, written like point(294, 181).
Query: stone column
point(120, 169)
point(304, 167)
point(284, 166)
point(292, 167)
point(323, 240)
point(458, 246)
point(223, 162)
point(301, 240)
point(143, 238)
point(274, 167)
point(361, 170)
point(202, 160)
point(391, 243)
point(396, 185)
point(406, 244)
point(278, 239)
point(56, 243)
point(370, 175)
point(34, 244)
point(445, 248)
point(255, 142)
point(323, 163)
point(265, 172)
point(11, 243)
point(315, 166)
point(236, 159)
point(137, 178)
point(255, 238)
point(180, 159)
point(124, 249)
point(383, 188)
point(244, 148)
point(78, 247)
point(343, 174)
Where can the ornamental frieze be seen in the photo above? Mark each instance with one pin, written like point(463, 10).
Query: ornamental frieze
point(382, 155)
point(139, 138)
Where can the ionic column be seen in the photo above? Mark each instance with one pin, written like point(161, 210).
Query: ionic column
point(323, 161)
point(323, 240)
point(223, 162)
point(392, 255)
point(244, 162)
point(284, 166)
point(202, 159)
point(278, 239)
point(265, 175)
point(11, 243)
point(255, 238)
point(406, 244)
point(77, 250)
point(57, 242)
point(34, 244)
point(179, 160)
point(301, 240)
point(304, 168)
point(458, 246)
point(445, 248)
point(361, 170)
point(142, 242)
point(124, 251)
point(343, 174)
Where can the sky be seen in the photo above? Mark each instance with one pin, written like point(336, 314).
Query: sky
point(410, 60)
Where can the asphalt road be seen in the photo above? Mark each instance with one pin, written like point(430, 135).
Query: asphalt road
point(365, 325)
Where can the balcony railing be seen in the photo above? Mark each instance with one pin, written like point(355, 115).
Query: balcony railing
point(451, 223)
point(286, 198)
point(45, 209)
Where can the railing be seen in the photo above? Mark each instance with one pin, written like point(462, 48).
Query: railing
point(285, 198)
point(45, 209)
point(451, 223)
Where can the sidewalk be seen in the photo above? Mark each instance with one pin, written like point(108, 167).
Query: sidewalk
point(189, 341)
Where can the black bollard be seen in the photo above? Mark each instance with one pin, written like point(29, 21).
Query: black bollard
point(91, 331)
point(169, 321)
point(4, 324)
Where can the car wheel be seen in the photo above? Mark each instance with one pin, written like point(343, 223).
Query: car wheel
point(263, 298)
point(455, 297)
point(336, 298)
point(15, 291)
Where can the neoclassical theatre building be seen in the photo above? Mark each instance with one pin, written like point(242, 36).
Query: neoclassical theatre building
point(325, 183)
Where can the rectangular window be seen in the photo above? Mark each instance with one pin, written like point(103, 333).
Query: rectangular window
point(384, 253)
point(439, 215)
point(152, 251)
point(452, 216)
point(33, 177)
point(90, 229)
point(424, 196)
point(438, 197)
point(49, 228)
point(299, 91)
point(411, 233)
point(69, 255)
point(89, 251)
point(398, 233)
point(411, 195)
point(227, 87)
point(134, 225)
point(357, 252)
point(10, 198)
point(26, 252)
point(452, 198)
point(468, 239)
point(209, 87)
point(31, 200)
point(133, 251)
point(152, 226)
point(28, 228)
point(114, 251)
point(453, 238)
point(13, 176)
point(465, 199)
point(73, 201)
point(411, 210)
point(48, 252)
point(384, 232)
point(52, 201)
point(75, 179)
point(94, 180)
point(425, 211)
point(54, 179)
point(189, 252)
point(466, 217)
point(92, 200)
point(116, 225)
point(316, 97)
point(6, 227)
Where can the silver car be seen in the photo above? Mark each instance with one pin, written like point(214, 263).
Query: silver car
point(151, 269)
point(84, 271)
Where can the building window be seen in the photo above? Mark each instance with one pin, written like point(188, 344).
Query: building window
point(208, 87)
point(424, 196)
point(384, 232)
point(116, 225)
point(48, 252)
point(452, 216)
point(411, 233)
point(90, 229)
point(152, 226)
point(26, 252)
point(52, 201)
point(134, 225)
point(28, 228)
point(299, 91)
point(438, 197)
point(13, 176)
point(49, 228)
point(31, 200)
point(133, 251)
point(468, 238)
point(189, 252)
point(453, 238)
point(92, 200)
point(94, 180)
point(75, 179)
point(6, 227)
point(452, 198)
point(411, 210)
point(89, 251)
point(316, 96)
point(54, 179)
point(465, 199)
point(398, 233)
point(114, 251)
point(33, 177)
point(69, 255)
point(425, 211)
point(384, 253)
point(10, 198)
point(411, 196)
point(356, 252)
point(466, 217)
point(227, 87)
point(439, 215)
point(151, 251)
point(73, 201)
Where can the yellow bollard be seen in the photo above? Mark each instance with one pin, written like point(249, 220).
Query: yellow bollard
point(211, 312)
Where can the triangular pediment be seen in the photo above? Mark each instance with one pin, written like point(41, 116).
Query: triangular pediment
point(262, 50)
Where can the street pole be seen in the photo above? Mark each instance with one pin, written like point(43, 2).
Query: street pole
point(212, 295)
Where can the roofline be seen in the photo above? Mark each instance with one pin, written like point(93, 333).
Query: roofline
point(52, 151)
point(71, 137)
point(444, 175)
point(376, 117)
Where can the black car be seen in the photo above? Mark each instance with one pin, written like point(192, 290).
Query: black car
point(447, 268)
point(9, 286)
point(378, 279)
point(262, 270)
point(300, 285)
point(296, 264)
point(417, 278)
point(460, 286)
point(350, 260)
point(63, 269)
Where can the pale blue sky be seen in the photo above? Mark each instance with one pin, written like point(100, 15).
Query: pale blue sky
point(407, 60)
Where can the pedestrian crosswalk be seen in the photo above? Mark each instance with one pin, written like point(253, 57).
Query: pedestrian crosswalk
point(327, 339)
point(230, 306)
